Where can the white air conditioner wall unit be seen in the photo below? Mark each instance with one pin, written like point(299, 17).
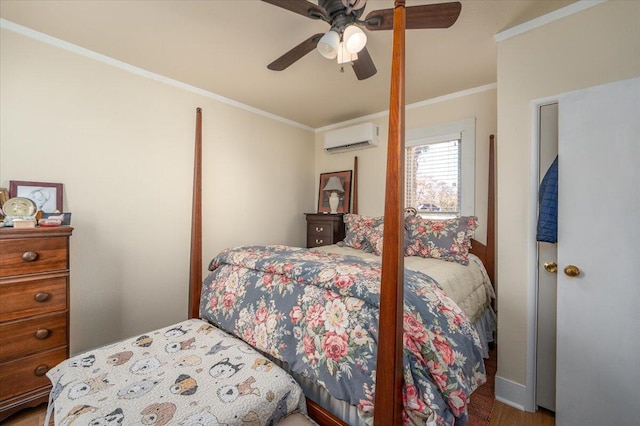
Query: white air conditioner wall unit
point(353, 137)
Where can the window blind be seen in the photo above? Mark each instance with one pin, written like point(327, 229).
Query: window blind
point(432, 181)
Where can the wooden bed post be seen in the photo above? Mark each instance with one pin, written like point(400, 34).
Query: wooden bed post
point(354, 194)
point(388, 395)
point(195, 269)
point(491, 215)
point(490, 255)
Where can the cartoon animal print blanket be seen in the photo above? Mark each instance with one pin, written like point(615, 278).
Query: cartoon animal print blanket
point(190, 373)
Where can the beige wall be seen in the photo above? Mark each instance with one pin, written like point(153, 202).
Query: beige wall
point(593, 47)
point(372, 161)
point(122, 145)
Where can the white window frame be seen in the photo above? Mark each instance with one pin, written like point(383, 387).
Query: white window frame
point(465, 130)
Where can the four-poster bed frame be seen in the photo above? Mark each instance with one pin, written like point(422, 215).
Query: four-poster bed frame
point(388, 395)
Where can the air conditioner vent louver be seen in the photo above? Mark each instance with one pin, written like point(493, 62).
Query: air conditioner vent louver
point(350, 138)
point(355, 145)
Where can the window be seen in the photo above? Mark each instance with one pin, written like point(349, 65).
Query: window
point(433, 177)
point(440, 169)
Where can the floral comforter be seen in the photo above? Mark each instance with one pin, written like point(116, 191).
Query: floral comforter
point(318, 312)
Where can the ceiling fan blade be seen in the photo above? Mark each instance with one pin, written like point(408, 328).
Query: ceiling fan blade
point(363, 66)
point(301, 7)
point(296, 53)
point(441, 15)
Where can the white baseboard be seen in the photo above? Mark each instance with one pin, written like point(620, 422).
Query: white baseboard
point(511, 393)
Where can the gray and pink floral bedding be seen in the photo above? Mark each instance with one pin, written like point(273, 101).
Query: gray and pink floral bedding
point(318, 312)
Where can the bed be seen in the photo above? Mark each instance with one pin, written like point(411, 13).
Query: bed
point(316, 312)
point(277, 271)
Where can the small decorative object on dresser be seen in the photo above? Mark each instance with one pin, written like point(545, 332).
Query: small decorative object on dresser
point(34, 313)
point(4, 196)
point(324, 229)
point(334, 195)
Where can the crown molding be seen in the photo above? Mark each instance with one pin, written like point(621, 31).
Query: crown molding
point(70, 47)
point(572, 9)
point(432, 101)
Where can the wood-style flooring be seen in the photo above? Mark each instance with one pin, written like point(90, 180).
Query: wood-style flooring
point(503, 415)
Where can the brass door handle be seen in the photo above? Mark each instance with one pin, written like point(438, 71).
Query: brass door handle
point(551, 267)
point(571, 271)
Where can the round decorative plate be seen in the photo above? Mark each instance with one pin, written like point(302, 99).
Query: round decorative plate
point(19, 206)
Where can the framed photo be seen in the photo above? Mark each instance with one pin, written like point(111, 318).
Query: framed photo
point(4, 196)
point(47, 196)
point(65, 218)
point(334, 194)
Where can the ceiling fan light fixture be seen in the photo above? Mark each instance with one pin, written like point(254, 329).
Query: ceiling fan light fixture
point(345, 56)
point(354, 39)
point(354, 4)
point(329, 44)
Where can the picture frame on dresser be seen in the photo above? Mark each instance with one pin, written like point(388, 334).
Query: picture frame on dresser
point(335, 184)
point(46, 195)
point(4, 196)
point(65, 217)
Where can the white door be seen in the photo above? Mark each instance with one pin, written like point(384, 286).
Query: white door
point(547, 281)
point(598, 339)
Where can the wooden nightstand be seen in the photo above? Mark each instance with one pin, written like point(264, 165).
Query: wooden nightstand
point(34, 313)
point(324, 229)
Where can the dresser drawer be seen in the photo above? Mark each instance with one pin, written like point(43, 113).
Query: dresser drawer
point(320, 229)
point(317, 241)
point(22, 256)
point(26, 337)
point(33, 297)
point(26, 374)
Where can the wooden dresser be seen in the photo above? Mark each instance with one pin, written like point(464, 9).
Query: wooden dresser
point(324, 229)
point(34, 313)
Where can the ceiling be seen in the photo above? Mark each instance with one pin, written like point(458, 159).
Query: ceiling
point(224, 47)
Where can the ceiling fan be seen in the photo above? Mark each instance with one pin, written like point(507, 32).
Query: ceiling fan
point(346, 41)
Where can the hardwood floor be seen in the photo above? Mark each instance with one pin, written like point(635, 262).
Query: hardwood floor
point(28, 417)
point(503, 415)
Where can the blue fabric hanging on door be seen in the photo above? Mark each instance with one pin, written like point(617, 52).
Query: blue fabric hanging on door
point(548, 205)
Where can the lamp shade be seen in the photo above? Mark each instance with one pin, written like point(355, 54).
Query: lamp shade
point(354, 39)
point(333, 184)
point(328, 44)
point(344, 56)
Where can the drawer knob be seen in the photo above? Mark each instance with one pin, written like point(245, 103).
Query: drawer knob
point(41, 297)
point(319, 229)
point(29, 256)
point(41, 370)
point(319, 241)
point(42, 333)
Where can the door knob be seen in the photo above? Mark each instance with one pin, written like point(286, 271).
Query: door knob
point(551, 267)
point(571, 271)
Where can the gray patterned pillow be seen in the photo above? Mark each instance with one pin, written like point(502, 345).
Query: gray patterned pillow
point(448, 239)
point(357, 229)
point(374, 239)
